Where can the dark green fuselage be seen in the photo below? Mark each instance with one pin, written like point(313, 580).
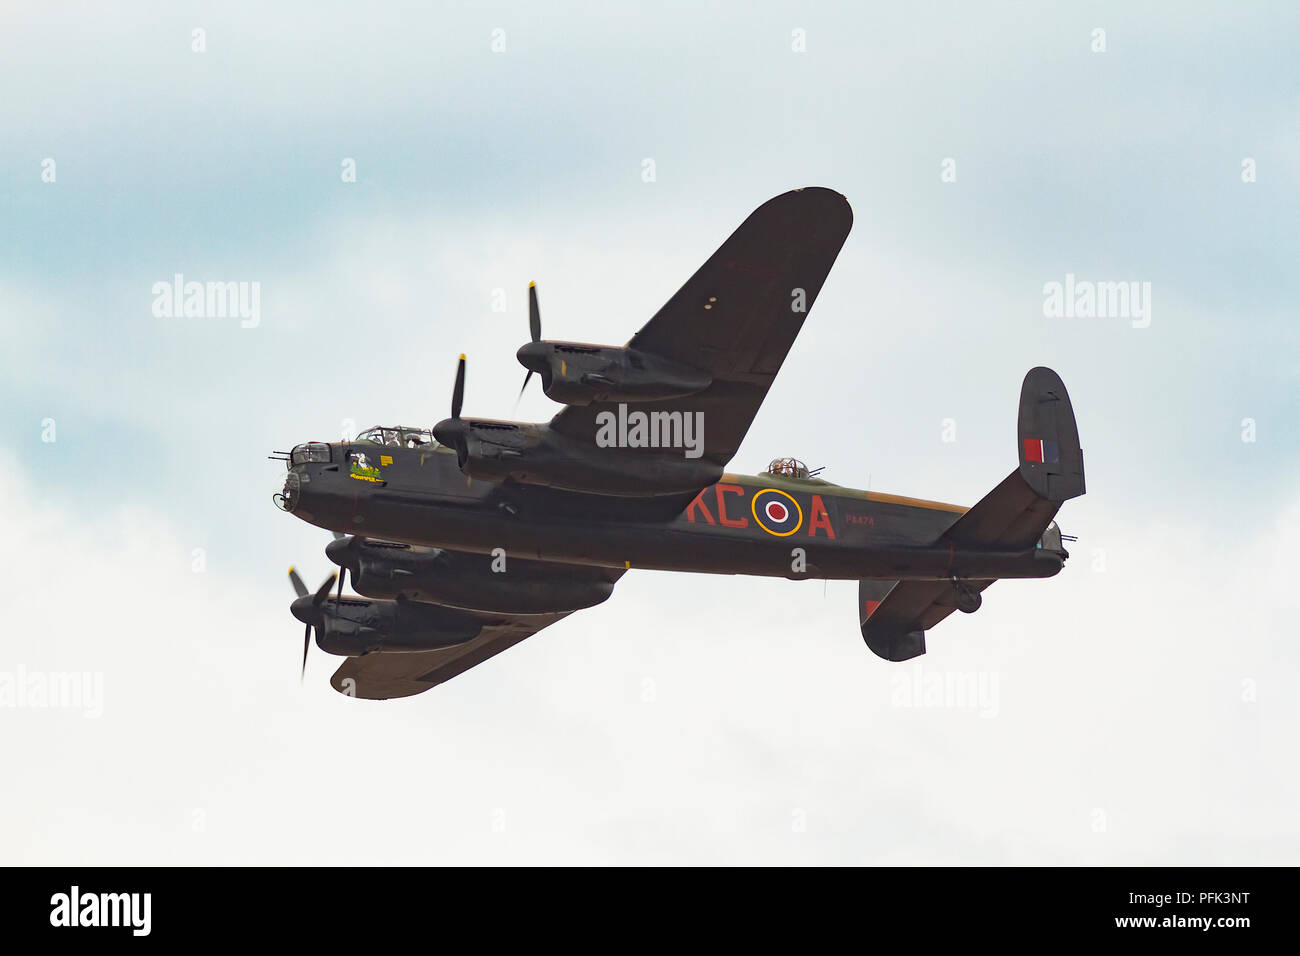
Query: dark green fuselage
point(420, 496)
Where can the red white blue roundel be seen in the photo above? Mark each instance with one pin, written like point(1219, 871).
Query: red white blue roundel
point(776, 512)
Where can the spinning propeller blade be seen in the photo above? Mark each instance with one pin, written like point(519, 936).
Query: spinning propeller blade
point(306, 643)
point(458, 390)
point(323, 591)
point(534, 330)
point(308, 610)
point(534, 313)
point(451, 431)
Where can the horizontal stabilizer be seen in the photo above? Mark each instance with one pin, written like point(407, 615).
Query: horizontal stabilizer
point(887, 636)
point(1011, 517)
point(896, 614)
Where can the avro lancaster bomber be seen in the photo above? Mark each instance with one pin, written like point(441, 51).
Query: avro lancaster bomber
point(465, 539)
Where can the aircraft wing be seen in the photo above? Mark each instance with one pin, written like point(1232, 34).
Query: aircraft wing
point(738, 316)
point(385, 674)
point(381, 676)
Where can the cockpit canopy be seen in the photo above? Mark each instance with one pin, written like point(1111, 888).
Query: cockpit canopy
point(788, 468)
point(400, 436)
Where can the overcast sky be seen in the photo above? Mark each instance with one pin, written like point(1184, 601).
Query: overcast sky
point(1138, 708)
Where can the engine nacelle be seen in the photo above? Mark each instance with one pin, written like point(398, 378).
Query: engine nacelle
point(576, 374)
point(358, 626)
point(459, 579)
point(536, 455)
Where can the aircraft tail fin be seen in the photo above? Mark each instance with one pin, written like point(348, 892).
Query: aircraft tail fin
point(1051, 460)
point(1017, 512)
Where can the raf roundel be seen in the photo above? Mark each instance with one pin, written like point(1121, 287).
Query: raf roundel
point(776, 512)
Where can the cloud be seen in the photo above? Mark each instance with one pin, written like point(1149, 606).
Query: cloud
point(1140, 712)
point(690, 719)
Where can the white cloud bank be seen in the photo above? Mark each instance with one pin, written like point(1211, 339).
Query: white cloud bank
point(1142, 714)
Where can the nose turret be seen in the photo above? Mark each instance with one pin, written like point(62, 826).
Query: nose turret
point(287, 499)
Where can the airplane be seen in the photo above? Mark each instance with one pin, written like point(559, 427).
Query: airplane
point(467, 538)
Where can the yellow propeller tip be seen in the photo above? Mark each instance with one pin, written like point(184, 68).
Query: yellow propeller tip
point(462, 356)
point(531, 284)
point(291, 569)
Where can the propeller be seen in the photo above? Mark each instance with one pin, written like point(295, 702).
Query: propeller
point(532, 356)
point(308, 609)
point(343, 568)
point(534, 314)
point(451, 431)
point(341, 552)
point(458, 390)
